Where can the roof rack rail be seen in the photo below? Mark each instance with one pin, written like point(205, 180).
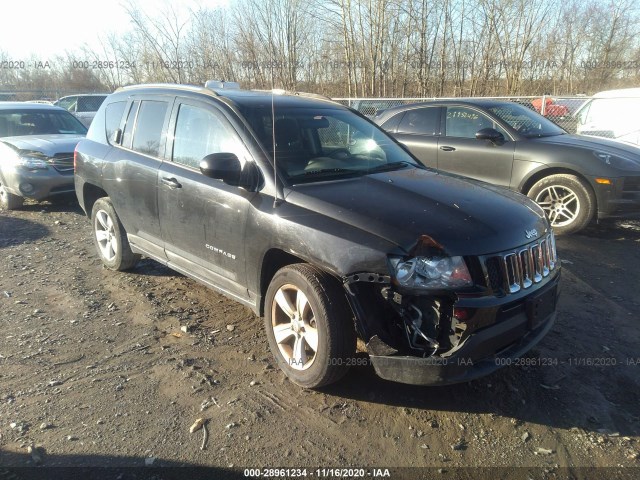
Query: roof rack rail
point(184, 86)
point(211, 84)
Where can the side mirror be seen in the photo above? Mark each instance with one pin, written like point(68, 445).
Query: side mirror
point(222, 166)
point(117, 137)
point(490, 134)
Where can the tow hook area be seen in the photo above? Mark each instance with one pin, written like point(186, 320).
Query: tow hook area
point(420, 326)
point(421, 320)
point(417, 339)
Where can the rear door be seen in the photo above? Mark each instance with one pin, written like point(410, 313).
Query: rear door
point(419, 129)
point(203, 220)
point(460, 152)
point(131, 174)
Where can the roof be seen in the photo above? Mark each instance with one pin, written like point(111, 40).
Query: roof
point(85, 95)
point(621, 93)
point(255, 98)
point(248, 98)
point(28, 106)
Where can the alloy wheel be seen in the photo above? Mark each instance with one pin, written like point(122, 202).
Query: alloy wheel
point(560, 203)
point(106, 235)
point(294, 327)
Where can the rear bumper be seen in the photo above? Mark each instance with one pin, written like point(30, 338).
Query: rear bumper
point(38, 184)
point(481, 353)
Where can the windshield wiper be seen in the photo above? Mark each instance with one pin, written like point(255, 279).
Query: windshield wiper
point(322, 172)
point(386, 167)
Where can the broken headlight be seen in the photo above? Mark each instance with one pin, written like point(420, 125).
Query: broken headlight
point(435, 272)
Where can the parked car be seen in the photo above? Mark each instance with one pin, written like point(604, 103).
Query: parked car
point(573, 178)
point(309, 214)
point(36, 152)
point(370, 107)
point(612, 114)
point(84, 106)
point(551, 108)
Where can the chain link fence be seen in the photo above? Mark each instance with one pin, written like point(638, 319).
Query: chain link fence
point(611, 117)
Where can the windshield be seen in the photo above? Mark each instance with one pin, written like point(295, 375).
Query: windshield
point(21, 122)
point(525, 121)
point(316, 144)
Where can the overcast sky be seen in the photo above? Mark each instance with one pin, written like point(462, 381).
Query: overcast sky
point(47, 28)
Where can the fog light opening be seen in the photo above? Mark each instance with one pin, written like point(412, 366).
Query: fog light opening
point(27, 188)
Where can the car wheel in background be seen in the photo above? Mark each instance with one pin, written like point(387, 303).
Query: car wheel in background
point(566, 199)
point(309, 325)
point(9, 201)
point(110, 237)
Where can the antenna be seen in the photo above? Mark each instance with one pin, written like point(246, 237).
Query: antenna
point(273, 143)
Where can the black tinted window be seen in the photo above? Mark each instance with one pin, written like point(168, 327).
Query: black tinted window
point(423, 121)
point(148, 132)
point(113, 116)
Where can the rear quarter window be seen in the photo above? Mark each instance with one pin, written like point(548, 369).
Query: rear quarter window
point(113, 117)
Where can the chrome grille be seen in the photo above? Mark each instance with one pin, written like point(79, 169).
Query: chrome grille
point(63, 162)
point(515, 270)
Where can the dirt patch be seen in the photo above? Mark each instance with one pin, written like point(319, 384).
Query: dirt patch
point(99, 368)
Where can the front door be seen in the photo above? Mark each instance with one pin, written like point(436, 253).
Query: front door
point(460, 152)
point(203, 220)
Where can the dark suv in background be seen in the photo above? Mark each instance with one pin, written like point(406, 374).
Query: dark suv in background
point(575, 179)
point(312, 216)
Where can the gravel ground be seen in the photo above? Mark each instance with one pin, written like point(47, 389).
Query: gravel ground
point(107, 369)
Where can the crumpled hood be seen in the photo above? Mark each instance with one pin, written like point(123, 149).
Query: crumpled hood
point(48, 145)
point(613, 147)
point(466, 217)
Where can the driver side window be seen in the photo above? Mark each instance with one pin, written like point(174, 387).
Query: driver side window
point(200, 132)
point(463, 122)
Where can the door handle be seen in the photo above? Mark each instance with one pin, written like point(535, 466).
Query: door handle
point(447, 149)
point(171, 182)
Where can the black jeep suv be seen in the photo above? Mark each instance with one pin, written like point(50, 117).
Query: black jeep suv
point(312, 216)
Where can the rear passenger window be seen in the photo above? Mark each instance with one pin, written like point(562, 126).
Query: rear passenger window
point(147, 136)
point(113, 117)
point(391, 124)
point(421, 121)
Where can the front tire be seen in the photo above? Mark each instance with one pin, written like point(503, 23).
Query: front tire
point(9, 201)
point(567, 200)
point(309, 325)
point(110, 237)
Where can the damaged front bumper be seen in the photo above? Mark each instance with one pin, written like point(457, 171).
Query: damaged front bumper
point(482, 353)
point(500, 329)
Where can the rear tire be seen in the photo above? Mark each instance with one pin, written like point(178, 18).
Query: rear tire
point(110, 237)
point(567, 200)
point(309, 325)
point(9, 201)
